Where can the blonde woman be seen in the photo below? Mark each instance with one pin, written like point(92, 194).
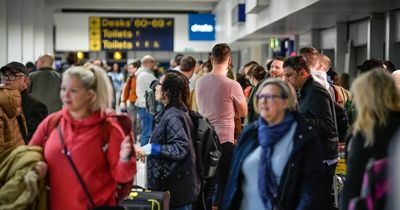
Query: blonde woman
point(378, 117)
point(95, 143)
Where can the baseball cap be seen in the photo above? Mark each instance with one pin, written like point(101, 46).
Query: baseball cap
point(370, 64)
point(15, 66)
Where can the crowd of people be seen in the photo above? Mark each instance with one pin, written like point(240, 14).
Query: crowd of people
point(279, 128)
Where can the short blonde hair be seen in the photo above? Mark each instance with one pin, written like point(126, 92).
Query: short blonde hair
point(96, 79)
point(287, 92)
point(325, 61)
point(396, 77)
point(374, 96)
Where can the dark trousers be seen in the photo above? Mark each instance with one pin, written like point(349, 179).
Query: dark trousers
point(207, 195)
point(327, 201)
point(224, 167)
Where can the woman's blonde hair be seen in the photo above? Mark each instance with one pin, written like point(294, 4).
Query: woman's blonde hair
point(96, 79)
point(374, 95)
point(287, 92)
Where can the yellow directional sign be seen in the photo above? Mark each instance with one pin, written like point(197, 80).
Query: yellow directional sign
point(122, 34)
point(94, 34)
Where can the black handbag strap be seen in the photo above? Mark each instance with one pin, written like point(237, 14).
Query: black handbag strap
point(66, 152)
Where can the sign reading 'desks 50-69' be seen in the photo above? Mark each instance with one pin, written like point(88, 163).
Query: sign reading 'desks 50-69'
point(131, 34)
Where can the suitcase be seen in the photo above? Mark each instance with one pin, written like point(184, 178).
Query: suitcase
point(142, 199)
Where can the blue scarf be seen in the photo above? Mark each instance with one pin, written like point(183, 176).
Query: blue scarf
point(268, 136)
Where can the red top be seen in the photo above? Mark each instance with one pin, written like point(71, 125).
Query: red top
point(100, 170)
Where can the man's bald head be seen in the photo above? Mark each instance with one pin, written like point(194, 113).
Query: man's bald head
point(148, 61)
point(45, 60)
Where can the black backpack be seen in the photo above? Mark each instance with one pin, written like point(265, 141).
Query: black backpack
point(207, 146)
point(151, 103)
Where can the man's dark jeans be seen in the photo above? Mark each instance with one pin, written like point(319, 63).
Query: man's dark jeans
point(224, 167)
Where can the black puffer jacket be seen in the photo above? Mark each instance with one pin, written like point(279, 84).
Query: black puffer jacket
point(316, 105)
point(174, 168)
point(34, 111)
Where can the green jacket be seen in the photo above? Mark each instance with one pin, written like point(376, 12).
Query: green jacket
point(20, 186)
point(251, 113)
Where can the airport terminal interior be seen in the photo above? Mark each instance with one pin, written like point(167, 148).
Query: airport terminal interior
point(299, 102)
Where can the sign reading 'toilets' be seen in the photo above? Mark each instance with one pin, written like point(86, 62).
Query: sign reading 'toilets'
point(202, 27)
point(112, 33)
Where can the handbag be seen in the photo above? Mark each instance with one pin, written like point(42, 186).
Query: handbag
point(78, 176)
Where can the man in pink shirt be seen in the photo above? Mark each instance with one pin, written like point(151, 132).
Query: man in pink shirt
point(220, 99)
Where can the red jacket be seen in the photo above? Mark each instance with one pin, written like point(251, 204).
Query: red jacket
point(100, 170)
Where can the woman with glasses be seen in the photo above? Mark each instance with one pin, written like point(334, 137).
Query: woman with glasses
point(95, 143)
point(171, 161)
point(278, 161)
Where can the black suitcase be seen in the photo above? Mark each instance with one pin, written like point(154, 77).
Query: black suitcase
point(142, 199)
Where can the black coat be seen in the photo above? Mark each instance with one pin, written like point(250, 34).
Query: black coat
point(301, 181)
point(359, 156)
point(316, 105)
point(174, 169)
point(34, 112)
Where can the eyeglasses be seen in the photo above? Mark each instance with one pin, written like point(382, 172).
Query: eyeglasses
point(268, 97)
point(11, 76)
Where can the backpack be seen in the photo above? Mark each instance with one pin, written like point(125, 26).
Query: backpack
point(207, 146)
point(375, 187)
point(149, 95)
point(125, 123)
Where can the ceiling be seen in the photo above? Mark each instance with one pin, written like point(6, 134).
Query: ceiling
point(323, 14)
point(165, 6)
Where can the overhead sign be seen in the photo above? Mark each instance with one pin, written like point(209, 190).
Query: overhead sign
point(202, 27)
point(239, 14)
point(131, 34)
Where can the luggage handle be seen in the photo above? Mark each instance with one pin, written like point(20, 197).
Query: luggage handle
point(137, 187)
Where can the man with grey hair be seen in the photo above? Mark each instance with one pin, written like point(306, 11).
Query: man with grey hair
point(45, 83)
point(144, 77)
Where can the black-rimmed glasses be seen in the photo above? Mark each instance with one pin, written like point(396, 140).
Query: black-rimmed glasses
point(268, 97)
point(11, 76)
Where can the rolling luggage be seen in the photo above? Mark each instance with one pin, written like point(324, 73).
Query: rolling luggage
point(142, 199)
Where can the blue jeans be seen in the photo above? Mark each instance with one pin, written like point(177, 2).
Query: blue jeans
point(146, 124)
point(187, 207)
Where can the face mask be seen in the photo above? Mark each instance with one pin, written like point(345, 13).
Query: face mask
point(251, 82)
